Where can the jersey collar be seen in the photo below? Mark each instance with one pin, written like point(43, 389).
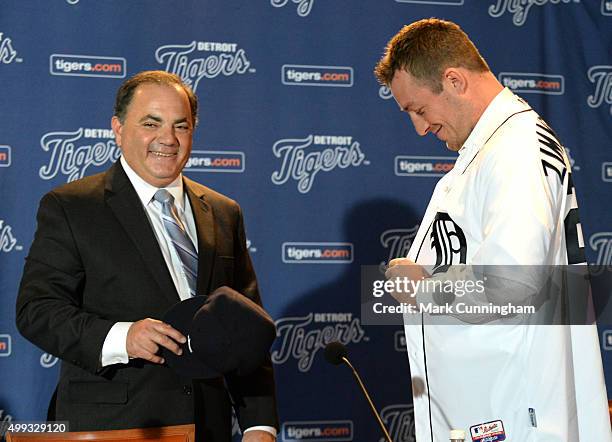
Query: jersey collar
point(503, 106)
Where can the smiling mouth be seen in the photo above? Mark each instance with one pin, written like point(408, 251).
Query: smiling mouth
point(162, 155)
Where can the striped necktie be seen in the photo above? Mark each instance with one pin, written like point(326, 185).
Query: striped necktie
point(182, 244)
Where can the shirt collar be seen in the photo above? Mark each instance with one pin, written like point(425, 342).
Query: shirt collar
point(503, 106)
point(146, 191)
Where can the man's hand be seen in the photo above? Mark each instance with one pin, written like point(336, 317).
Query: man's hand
point(404, 268)
point(144, 338)
point(258, 436)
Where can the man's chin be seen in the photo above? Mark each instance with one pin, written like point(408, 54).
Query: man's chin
point(161, 177)
point(452, 147)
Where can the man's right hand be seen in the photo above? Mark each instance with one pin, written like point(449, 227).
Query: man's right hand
point(404, 268)
point(146, 336)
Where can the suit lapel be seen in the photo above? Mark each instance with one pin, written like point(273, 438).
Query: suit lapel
point(205, 226)
point(127, 208)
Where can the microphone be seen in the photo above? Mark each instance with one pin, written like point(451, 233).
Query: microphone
point(336, 354)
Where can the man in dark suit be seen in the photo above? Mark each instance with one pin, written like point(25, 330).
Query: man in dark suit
point(103, 269)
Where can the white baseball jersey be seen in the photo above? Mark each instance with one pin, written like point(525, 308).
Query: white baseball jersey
point(508, 200)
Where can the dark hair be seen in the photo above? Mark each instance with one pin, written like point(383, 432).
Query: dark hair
point(425, 49)
point(126, 91)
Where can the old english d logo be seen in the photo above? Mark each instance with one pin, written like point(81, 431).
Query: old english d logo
point(448, 241)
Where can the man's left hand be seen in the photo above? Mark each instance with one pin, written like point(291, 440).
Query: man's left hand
point(258, 436)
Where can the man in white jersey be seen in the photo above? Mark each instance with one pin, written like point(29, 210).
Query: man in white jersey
point(509, 200)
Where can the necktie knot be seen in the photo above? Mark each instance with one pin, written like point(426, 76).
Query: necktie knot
point(164, 197)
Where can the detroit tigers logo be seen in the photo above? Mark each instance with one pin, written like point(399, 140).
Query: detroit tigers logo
point(299, 339)
point(8, 242)
point(448, 242)
point(399, 419)
point(7, 53)
point(520, 8)
point(398, 241)
point(601, 77)
point(601, 243)
point(303, 8)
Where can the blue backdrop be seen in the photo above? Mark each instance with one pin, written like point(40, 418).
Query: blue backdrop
point(294, 126)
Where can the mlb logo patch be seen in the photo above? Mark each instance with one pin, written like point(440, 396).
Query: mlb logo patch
point(488, 432)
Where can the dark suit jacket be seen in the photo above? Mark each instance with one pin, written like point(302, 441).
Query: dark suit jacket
point(95, 261)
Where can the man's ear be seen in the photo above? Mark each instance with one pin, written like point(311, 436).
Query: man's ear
point(455, 80)
point(117, 128)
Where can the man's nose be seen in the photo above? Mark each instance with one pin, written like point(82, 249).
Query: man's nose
point(167, 136)
point(421, 126)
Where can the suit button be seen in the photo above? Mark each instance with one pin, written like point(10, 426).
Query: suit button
point(187, 389)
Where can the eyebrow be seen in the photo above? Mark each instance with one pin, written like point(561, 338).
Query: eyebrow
point(159, 120)
point(403, 108)
point(409, 105)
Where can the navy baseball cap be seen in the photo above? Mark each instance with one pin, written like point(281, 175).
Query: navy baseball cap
point(226, 332)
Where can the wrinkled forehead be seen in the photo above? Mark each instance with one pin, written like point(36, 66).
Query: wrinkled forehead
point(163, 97)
